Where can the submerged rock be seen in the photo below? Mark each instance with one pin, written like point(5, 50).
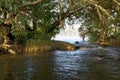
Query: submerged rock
point(77, 47)
point(77, 42)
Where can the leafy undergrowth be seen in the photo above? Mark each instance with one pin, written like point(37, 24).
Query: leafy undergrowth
point(39, 46)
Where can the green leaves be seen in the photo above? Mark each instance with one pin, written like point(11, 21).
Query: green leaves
point(44, 14)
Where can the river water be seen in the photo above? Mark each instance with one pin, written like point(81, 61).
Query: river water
point(100, 63)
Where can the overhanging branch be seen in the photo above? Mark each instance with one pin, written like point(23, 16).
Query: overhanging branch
point(67, 14)
point(98, 11)
point(31, 3)
point(117, 2)
point(102, 9)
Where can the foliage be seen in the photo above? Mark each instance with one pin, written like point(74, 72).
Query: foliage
point(29, 21)
point(101, 16)
point(94, 36)
point(42, 19)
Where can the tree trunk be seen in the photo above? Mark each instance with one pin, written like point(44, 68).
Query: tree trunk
point(102, 36)
point(102, 40)
point(6, 46)
point(5, 42)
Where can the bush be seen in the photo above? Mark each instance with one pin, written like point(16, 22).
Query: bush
point(94, 36)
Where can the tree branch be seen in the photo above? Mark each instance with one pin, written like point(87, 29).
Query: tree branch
point(67, 14)
point(31, 3)
point(102, 9)
point(99, 14)
point(27, 14)
point(117, 2)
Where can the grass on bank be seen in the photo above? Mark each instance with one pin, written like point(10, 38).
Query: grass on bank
point(39, 46)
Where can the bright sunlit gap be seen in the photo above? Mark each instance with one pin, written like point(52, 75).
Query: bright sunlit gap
point(69, 34)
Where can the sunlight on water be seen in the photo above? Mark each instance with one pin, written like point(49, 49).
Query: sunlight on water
point(67, 63)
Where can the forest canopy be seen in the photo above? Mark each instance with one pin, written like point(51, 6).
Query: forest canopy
point(23, 20)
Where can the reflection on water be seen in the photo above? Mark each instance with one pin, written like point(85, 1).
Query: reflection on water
point(68, 64)
point(94, 64)
point(29, 69)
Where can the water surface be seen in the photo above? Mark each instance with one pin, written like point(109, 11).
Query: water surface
point(87, 64)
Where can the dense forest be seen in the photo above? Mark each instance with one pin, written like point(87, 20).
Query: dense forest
point(24, 22)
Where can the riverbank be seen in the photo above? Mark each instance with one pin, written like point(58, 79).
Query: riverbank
point(40, 46)
point(97, 63)
point(34, 47)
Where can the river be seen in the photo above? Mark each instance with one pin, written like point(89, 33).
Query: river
point(100, 63)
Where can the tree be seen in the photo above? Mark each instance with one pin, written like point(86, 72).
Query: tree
point(15, 16)
point(24, 19)
point(42, 19)
point(99, 17)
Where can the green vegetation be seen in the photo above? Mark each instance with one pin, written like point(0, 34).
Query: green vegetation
point(39, 46)
point(102, 18)
point(23, 21)
point(94, 36)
